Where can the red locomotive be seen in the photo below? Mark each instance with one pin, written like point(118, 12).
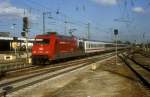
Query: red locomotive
point(52, 47)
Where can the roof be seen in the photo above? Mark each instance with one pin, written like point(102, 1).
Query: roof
point(19, 38)
point(4, 34)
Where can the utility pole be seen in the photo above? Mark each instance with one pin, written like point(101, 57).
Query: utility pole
point(15, 40)
point(44, 22)
point(44, 14)
point(65, 27)
point(116, 34)
point(25, 34)
point(14, 29)
point(88, 32)
point(144, 41)
point(27, 39)
point(147, 46)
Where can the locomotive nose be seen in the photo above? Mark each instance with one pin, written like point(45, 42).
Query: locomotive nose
point(42, 50)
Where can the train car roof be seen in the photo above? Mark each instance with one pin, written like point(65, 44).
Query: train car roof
point(65, 37)
point(93, 40)
point(57, 35)
point(97, 41)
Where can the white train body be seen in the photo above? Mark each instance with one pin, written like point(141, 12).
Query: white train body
point(98, 46)
point(93, 46)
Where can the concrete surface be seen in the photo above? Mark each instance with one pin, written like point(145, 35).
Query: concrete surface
point(109, 80)
point(51, 85)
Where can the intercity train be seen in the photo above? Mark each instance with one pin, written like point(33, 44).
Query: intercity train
point(52, 46)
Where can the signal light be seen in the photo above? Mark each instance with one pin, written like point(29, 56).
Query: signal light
point(115, 31)
point(25, 23)
point(23, 34)
point(15, 38)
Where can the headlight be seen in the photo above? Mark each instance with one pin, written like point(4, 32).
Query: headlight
point(34, 52)
point(46, 52)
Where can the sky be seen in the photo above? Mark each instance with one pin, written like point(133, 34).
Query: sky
point(130, 17)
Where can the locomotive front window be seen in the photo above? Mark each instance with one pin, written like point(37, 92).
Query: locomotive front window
point(42, 41)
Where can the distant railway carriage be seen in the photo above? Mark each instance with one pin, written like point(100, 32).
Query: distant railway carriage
point(93, 46)
point(53, 47)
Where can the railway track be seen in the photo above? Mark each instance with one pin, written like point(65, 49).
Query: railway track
point(38, 75)
point(140, 70)
point(4, 68)
point(145, 54)
point(145, 66)
point(12, 66)
point(33, 69)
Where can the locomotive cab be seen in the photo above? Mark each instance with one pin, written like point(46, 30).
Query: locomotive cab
point(43, 49)
point(41, 46)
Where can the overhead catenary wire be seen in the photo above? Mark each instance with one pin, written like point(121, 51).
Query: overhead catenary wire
point(59, 13)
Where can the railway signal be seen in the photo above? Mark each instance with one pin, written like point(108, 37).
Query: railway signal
point(25, 23)
point(25, 26)
point(25, 32)
point(15, 38)
point(115, 32)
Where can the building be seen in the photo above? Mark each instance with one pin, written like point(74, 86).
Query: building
point(4, 34)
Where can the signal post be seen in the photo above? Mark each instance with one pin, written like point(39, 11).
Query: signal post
point(25, 34)
point(116, 34)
